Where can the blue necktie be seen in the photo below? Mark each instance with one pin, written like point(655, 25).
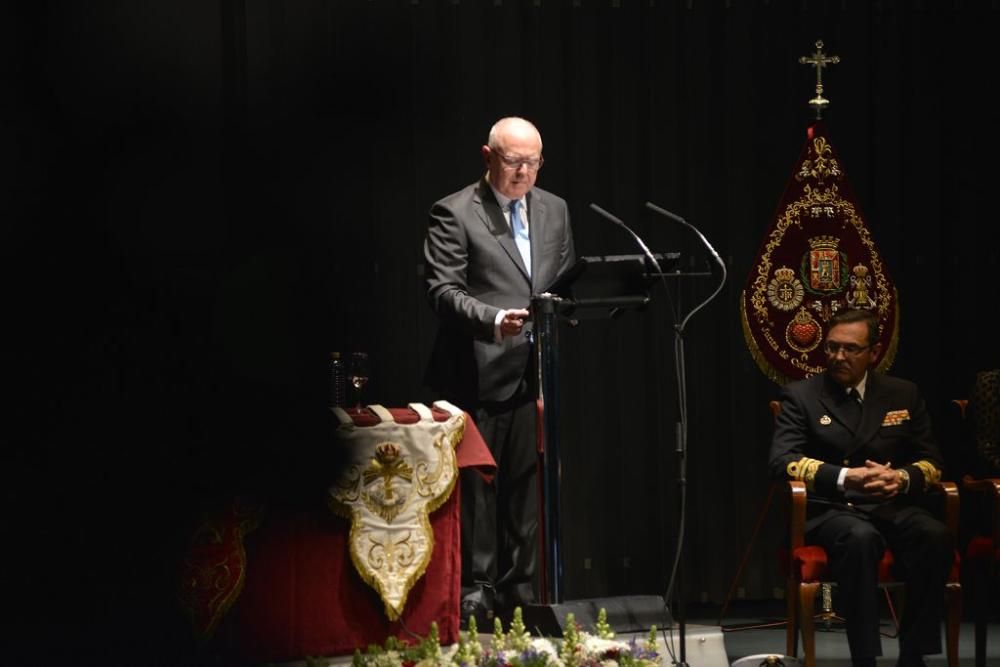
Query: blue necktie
point(520, 234)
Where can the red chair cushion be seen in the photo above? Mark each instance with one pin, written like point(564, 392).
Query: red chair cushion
point(981, 549)
point(811, 564)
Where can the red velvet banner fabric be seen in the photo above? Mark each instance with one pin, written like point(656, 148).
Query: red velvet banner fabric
point(303, 597)
point(818, 258)
point(213, 572)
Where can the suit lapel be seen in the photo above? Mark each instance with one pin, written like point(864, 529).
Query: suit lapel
point(542, 266)
point(489, 212)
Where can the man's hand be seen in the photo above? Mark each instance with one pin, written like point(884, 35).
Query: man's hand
point(513, 322)
point(874, 479)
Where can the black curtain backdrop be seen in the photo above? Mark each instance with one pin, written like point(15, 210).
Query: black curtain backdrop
point(204, 199)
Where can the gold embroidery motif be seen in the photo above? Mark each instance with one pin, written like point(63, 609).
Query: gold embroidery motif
point(214, 568)
point(931, 473)
point(823, 166)
point(809, 474)
point(826, 273)
point(398, 474)
point(803, 333)
point(861, 286)
point(384, 500)
point(804, 470)
point(785, 291)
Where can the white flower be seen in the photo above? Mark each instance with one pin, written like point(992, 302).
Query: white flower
point(543, 645)
point(597, 646)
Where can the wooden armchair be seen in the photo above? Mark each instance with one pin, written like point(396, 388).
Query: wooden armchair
point(808, 566)
point(982, 556)
point(807, 569)
point(982, 551)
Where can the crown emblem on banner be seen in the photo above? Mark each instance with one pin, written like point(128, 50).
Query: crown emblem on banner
point(860, 271)
point(387, 452)
point(784, 275)
point(824, 243)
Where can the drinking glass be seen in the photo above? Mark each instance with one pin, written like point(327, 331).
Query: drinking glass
point(358, 376)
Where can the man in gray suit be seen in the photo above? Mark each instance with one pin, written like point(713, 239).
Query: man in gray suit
point(489, 247)
point(862, 444)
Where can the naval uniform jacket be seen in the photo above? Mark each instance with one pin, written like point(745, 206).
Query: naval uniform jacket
point(813, 425)
point(474, 270)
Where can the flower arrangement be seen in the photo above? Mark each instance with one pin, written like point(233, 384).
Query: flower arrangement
point(517, 648)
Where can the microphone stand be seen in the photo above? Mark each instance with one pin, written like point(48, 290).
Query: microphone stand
point(682, 425)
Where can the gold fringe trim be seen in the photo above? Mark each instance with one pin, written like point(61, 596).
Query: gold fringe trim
point(889, 356)
point(883, 365)
point(758, 356)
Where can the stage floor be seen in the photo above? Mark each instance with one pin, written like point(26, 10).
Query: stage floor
point(711, 645)
point(831, 645)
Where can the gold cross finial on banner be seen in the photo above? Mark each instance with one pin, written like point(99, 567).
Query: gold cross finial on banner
point(819, 60)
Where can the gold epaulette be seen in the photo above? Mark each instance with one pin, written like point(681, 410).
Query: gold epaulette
point(932, 474)
point(804, 470)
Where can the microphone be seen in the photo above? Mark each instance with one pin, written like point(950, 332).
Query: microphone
point(607, 215)
point(645, 249)
point(722, 265)
point(673, 216)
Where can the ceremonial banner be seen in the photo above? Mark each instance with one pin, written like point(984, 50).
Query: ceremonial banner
point(397, 475)
point(818, 258)
point(214, 569)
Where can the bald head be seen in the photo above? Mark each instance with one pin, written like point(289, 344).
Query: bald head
point(513, 127)
point(513, 156)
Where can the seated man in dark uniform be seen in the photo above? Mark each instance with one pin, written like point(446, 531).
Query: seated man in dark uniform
point(862, 443)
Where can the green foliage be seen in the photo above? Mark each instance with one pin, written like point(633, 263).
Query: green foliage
point(518, 638)
point(602, 628)
point(571, 650)
point(469, 651)
point(430, 647)
point(651, 639)
point(499, 641)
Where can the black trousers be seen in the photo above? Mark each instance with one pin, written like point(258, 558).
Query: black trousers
point(923, 551)
point(500, 519)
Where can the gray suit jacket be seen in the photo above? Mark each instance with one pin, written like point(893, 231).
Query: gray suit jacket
point(474, 270)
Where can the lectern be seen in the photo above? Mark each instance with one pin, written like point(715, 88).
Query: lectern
point(594, 287)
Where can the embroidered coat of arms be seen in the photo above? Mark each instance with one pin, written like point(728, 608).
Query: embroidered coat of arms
point(817, 259)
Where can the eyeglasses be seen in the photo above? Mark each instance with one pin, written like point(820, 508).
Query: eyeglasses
point(849, 349)
point(511, 163)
